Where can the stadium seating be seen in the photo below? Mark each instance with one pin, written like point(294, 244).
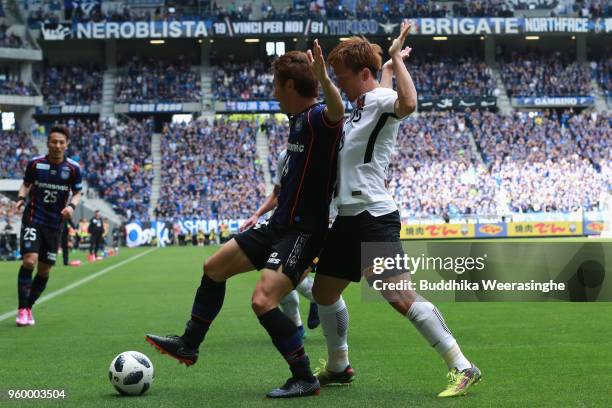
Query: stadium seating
point(16, 150)
point(244, 81)
point(603, 74)
point(435, 172)
point(7, 211)
point(434, 75)
point(120, 173)
point(11, 40)
point(148, 80)
point(72, 85)
point(534, 74)
point(53, 11)
point(540, 165)
point(459, 75)
point(12, 86)
point(518, 163)
point(210, 170)
point(276, 132)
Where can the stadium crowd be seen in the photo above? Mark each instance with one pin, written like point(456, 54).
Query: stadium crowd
point(451, 76)
point(72, 85)
point(13, 86)
point(276, 131)
point(16, 149)
point(53, 11)
point(245, 81)
point(542, 163)
point(154, 80)
point(592, 8)
point(434, 76)
point(8, 214)
point(531, 74)
point(519, 163)
point(603, 73)
point(435, 171)
point(45, 11)
point(116, 161)
point(11, 40)
point(210, 170)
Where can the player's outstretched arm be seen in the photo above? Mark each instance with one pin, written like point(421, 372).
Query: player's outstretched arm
point(334, 112)
point(386, 78)
point(406, 92)
point(269, 204)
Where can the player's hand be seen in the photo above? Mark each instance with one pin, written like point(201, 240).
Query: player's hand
point(19, 205)
point(405, 54)
point(67, 213)
point(251, 222)
point(398, 43)
point(317, 62)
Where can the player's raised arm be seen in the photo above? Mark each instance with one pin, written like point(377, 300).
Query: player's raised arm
point(386, 78)
point(406, 92)
point(334, 112)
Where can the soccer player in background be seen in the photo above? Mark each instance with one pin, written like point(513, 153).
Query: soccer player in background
point(368, 213)
point(96, 230)
point(287, 245)
point(47, 184)
point(67, 227)
point(290, 303)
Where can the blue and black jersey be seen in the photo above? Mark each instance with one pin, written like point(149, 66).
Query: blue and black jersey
point(51, 185)
point(310, 172)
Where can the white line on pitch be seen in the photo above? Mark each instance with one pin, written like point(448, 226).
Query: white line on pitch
point(79, 283)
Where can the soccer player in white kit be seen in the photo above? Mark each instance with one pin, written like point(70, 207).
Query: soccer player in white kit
point(368, 213)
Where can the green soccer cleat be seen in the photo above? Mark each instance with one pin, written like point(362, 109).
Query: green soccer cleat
point(327, 377)
point(460, 381)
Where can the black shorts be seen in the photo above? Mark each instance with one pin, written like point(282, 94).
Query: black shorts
point(41, 240)
point(341, 256)
point(270, 246)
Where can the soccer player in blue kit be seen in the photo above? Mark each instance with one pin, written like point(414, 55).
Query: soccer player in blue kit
point(46, 192)
point(285, 247)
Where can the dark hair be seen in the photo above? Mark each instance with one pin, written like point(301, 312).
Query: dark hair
point(60, 129)
point(294, 65)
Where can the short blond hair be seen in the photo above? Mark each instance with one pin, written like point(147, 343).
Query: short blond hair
point(357, 53)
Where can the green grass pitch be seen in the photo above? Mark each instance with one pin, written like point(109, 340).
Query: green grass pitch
point(531, 354)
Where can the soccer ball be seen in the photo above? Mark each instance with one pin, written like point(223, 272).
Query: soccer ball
point(131, 373)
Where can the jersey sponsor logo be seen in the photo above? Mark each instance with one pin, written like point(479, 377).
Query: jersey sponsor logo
point(65, 174)
point(50, 186)
point(273, 259)
point(43, 166)
point(299, 123)
point(296, 147)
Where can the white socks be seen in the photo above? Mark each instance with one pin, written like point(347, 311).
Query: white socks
point(427, 319)
point(305, 288)
point(290, 305)
point(334, 322)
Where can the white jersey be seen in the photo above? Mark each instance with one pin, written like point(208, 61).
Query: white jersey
point(369, 140)
point(281, 165)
